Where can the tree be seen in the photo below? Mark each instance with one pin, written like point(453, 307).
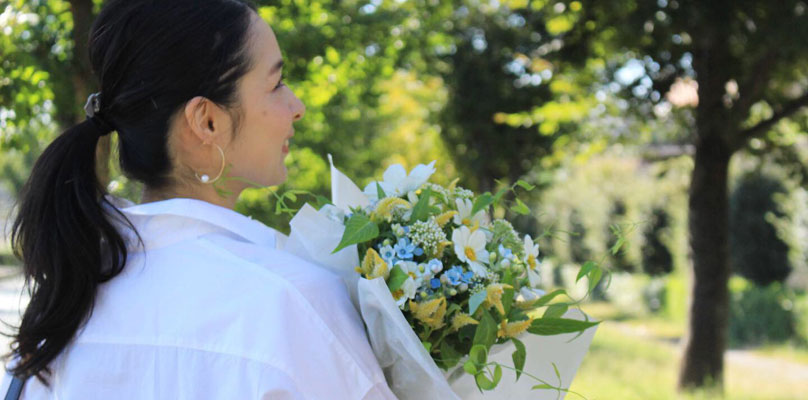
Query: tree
point(747, 58)
point(48, 76)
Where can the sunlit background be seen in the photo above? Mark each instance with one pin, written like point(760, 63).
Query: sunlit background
point(609, 107)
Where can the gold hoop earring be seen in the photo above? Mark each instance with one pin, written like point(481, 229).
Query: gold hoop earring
point(204, 178)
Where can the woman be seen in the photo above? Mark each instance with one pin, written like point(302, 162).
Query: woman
point(179, 297)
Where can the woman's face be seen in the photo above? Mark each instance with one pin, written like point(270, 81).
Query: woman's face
point(268, 109)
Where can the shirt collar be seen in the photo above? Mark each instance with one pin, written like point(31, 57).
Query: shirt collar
point(198, 210)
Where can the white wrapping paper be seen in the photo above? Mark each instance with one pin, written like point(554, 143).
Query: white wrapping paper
point(407, 365)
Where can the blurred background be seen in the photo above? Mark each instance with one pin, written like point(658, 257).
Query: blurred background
point(679, 127)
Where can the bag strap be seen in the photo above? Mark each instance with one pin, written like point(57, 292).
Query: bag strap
point(15, 388)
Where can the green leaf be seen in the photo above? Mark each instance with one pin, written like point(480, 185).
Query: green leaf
point(555, 310)
point(543, 386)
point(520, 208)
point(507, 278)
point(427, 346)
point(483, 382)
point(449, 355)
point(594, 278)
point(322, 201)
point(497, 375)
point(507, 300)
point(290, 196)
point(396, 279)
point(549, 297)
point(556, 326)
point(525, 185)
point(482, 202)
point(379, 191)
point(555, 368)
point(421, 210)
point(475, 300)
point(470, 368)
point(498, 196)
point(358, 229)
point(478, 355)
point(519, 356)
point(486, 332)
point(588, 266)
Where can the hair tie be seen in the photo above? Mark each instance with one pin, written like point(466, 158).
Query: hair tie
point(91, 109)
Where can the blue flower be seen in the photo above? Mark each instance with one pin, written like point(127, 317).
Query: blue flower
point(418, 251)
point(388, 255)
point(404, 249)
point(435, 265)
point(466, 278)
point(455, 275)
point(435, 283)
point(505, 252)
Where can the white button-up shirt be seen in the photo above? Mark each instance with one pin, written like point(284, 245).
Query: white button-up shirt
point(208, 308)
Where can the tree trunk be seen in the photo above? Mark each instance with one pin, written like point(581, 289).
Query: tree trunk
point(703, 362)
point(83, 80)
point(708, 206)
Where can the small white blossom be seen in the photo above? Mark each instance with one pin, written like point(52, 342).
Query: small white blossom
point(470, 248)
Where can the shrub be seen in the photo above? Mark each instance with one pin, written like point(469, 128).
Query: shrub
point(759, 314)
point(656, 257)
point(757, 252)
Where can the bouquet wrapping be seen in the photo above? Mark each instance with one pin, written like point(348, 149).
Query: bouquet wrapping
point(441, 331)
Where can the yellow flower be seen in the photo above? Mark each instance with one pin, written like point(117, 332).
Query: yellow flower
point(513, 329)
point(439, 251)
point(493, 296)
point(460, 320)
point(431, 312)
point(373, 266)
point(453, 184)
point(385, 208)
point(442, 219)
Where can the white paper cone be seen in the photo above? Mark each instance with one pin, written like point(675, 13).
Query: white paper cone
point(344, 193)
point(409, 369)
point(313, 236)
point(542, 351)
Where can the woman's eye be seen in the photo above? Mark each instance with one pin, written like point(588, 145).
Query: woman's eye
point(280, 83)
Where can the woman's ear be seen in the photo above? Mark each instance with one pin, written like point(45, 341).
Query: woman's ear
point(199, 115)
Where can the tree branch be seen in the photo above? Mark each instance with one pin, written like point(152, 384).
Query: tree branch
point(763, 126)
point(751, 90)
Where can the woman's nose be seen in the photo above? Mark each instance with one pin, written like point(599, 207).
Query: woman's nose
point(298, 108)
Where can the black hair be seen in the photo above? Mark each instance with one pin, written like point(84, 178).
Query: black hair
point(150, 58)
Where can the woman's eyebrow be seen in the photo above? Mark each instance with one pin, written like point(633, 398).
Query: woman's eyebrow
point(276, 67)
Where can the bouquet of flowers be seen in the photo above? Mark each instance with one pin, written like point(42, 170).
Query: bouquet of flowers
point(438, 283)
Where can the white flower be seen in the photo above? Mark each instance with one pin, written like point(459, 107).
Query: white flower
point(396, 182)
point(415, 271)
point(470, 248)
point(464, 217)
point(333, 213)
point(528, 294)
point(532, 253)
point(405, 292)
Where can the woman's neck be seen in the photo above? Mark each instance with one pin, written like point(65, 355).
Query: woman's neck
point(207, 193)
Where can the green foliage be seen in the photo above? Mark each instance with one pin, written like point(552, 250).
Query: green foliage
point(761, 315)
point(757, 251)
point(358, 229)
point(656, 256)
point(555, 326)
point(610, 201)
point(396, 279)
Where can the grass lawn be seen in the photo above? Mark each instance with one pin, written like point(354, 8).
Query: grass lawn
point(639, 359)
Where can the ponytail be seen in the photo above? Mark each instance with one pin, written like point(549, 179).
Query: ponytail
point(150, 58)
point(67, 246)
